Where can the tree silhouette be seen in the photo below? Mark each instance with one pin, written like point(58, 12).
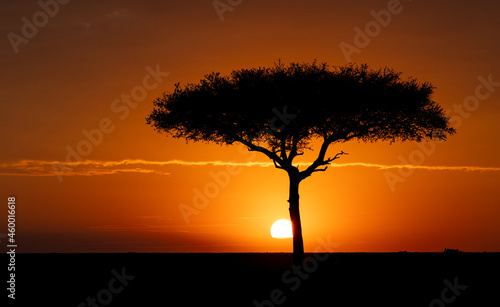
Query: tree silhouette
point(279, 111)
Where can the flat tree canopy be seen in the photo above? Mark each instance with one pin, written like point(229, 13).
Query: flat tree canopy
point(335, 104)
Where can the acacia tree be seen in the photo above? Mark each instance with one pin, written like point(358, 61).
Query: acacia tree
point(313, 101)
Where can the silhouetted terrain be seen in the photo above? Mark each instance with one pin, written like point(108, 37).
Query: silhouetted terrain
point(342, 279)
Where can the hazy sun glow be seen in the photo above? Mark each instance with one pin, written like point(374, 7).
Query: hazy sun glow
point(281, 229)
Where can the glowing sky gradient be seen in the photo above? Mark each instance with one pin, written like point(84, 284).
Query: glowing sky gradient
point(97, 66)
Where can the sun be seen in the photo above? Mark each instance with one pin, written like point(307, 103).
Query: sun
point(281, 229)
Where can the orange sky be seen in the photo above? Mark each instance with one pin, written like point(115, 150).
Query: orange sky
point(125, 192)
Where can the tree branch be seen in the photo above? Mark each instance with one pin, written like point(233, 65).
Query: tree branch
point(293, 151)
point(270, 154)
point(283, 149)
point(320, 169)
point(336, 156)
point(320, 160)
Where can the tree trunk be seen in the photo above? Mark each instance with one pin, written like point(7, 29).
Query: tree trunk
point(298, 244)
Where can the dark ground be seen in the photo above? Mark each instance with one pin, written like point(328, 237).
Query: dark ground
point(342, 279)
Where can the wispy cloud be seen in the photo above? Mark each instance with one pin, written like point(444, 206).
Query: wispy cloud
point(422, 167)
point(99, 168)
point(84, 168)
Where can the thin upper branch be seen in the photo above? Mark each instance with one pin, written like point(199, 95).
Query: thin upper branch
point(336, 156)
